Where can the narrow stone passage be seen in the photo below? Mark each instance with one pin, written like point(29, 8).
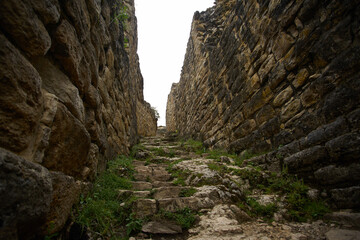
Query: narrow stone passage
point(184, 191)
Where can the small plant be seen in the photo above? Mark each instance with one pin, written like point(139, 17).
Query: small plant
point(135, 149)
point(187, 192)
point(184, 217)
point(133, 224)
point(120, 15)
point(218, 168)
point(267, 211)
point(194, 146)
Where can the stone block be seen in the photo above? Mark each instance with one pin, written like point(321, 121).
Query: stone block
point(345, 198)
point(69, 144)
point(264, 114)
point(326, 132)
point(283, 96)
point(290, 110)
point(20, 97)
point(167, 192)
point(354, 119)
point(49, 10)
point(345, 147)
point(342, 234)
point(144, 207)
point(20, 21)
point(281, 45)
point(277, 75)
point(56, 82)
point(306, 159)
point(26, 193)
point(141, 186)
point(300, 78)
point(330, 175)
point(161, 228)
point(66, 193)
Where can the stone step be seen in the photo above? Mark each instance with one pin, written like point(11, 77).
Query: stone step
point(158, 184)
point(151, 173)
point(144, 208)
point(168, 192)
point(345, 218)
point(123, 194)
point(155, 227)
point(194, 203)
point(141, 186)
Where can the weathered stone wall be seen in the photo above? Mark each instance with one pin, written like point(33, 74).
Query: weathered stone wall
point(146, 116)
point(70, 90)
point(279, 77)
point(170, 109)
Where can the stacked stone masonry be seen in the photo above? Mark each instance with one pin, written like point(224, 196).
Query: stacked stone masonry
point(281, 78)
point(71, 97)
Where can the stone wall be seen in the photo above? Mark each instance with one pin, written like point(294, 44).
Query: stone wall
point(146, 116)
point(70, 91)
point(280, 77)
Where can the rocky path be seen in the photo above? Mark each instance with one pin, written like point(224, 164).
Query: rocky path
point(184, 195)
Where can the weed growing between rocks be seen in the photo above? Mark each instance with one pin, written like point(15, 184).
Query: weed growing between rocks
point(184, 217)
point(103, 212)
point(187, 192)
point(192, 145)
point(299, 207)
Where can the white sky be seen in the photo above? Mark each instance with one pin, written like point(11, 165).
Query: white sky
point(163, 33)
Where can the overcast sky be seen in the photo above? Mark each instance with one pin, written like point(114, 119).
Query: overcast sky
point(163, 33)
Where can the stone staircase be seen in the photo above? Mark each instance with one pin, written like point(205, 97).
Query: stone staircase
point(212, 194)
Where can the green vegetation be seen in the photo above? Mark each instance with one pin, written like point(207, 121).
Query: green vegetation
point(216, 154)
point(267, 211)
point(100, 211)
point(300, 208)
point(163, 153)
point(184, 217)
point(192, 145)
point(187, 192)
point(136, 148)
point(218, 168)
point(120, 15)
point(299, 205)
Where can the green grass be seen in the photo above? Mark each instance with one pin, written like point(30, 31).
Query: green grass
point(161, 152)
point(184, 217)
point(100, 211)
point(192, 145)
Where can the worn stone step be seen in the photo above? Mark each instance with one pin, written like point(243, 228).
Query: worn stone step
point(344, 218)
point(141, 186)
point(138, 163)
point(144, 208)
point(123, 194)
point(143, 173)
point(342, 234)
point(151, 173)
point(158, 184)
point(194, 203)
point(168, 192)
point(155, 227)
